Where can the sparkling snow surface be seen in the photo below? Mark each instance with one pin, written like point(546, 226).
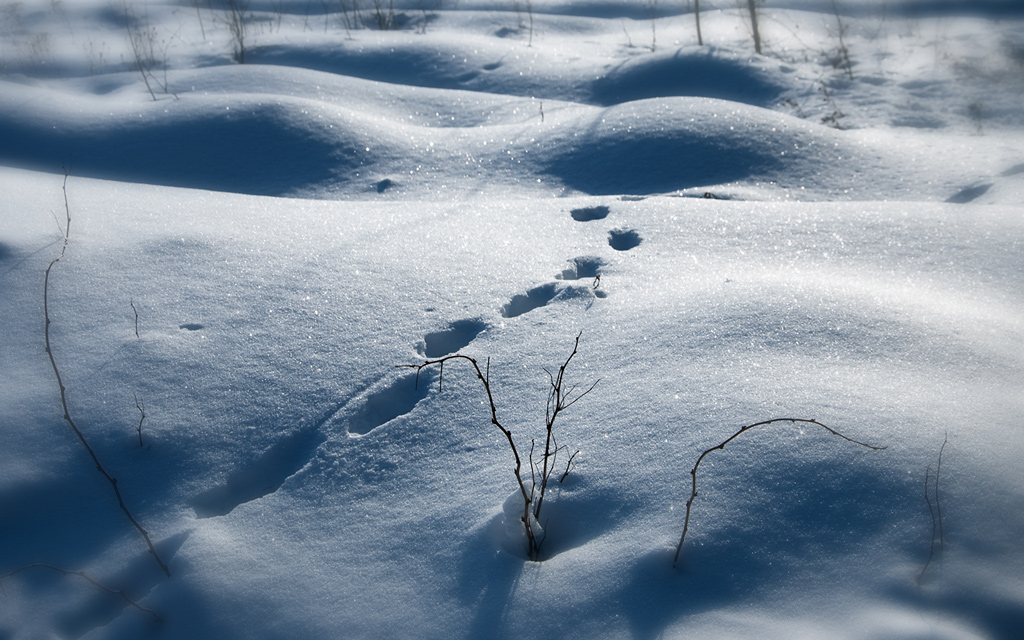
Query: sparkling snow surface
point(738, 237)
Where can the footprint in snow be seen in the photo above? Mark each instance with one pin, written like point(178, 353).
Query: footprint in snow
point(582, 267)
point(1013, 171)
point(261, 476)
point(623, 239)
point(447, 341)
point(532, 299)
point(542, 295)
point(389, 402)
point(589, 214)
point(968, 194)
point(585, 267)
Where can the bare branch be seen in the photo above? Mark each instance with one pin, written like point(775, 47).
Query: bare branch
point(938, 504)
point(485, 380)
point(568, 465)
point(936, 512)
point(115, 592)
point(63, 390)
point(136, 311)
point(742, 430)
point(931, 512)
point(142, 416)
point(558, 400)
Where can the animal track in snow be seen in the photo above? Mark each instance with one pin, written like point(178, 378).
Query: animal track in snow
point(623, 239)
point(262, 476)
point(458, 334)
point(582, 267)
point(967, 194)
point(381, 406)
point(535, 297)
point(545, 293)
point(1014, 170)
point(589, 214)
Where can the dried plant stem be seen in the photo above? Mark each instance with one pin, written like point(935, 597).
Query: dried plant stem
point(63, 390)
point(742, 430)
point(934, 511)
point(142, 416)
point(938, 503)
point(560, 398)
point(102, 587)
point(136, 311)
point(485, 379)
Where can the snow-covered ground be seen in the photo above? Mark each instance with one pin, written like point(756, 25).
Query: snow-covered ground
point(831, 230)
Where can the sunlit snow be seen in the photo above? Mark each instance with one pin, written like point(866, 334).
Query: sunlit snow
point(830, 230)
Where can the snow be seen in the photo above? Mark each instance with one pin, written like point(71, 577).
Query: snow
point(287, 232)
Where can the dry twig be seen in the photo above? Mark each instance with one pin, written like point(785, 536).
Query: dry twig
point(560, 398)
point(63, 390)
point(935, 512)
point(116, 592)
point(742, 430)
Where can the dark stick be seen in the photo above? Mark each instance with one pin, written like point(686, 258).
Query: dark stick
point(142, 416)
point(132, 303)
point(63, 390)
point(693, 472)
point(116, 592)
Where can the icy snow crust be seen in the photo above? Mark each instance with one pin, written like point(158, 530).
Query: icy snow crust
point(728, 256)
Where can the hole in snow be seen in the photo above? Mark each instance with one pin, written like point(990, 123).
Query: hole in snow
point(455, 337)
point(582, 267)
point(623, 239)
point(384, 405)
point(535, 297)
point(587, 214)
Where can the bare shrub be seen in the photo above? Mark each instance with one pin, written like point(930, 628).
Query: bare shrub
point(384, 14)
point(237, 18)
point(533, 489)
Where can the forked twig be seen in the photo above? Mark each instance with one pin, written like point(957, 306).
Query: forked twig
point(742, 430)
point(560, 398)
point(63, 390)
point(485, 380)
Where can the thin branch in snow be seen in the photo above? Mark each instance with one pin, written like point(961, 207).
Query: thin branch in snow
point(142, 416)
point(136, 311)
point(560, 398)
point(120, 593)
point(63, 390)
point(935, 512)
point(742, 430)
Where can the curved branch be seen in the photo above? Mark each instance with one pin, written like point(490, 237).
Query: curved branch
point(742, 430)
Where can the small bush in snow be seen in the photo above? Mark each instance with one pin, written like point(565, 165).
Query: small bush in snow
point(561, 396)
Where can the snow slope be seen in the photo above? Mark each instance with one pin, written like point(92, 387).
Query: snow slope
point(253, 251)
